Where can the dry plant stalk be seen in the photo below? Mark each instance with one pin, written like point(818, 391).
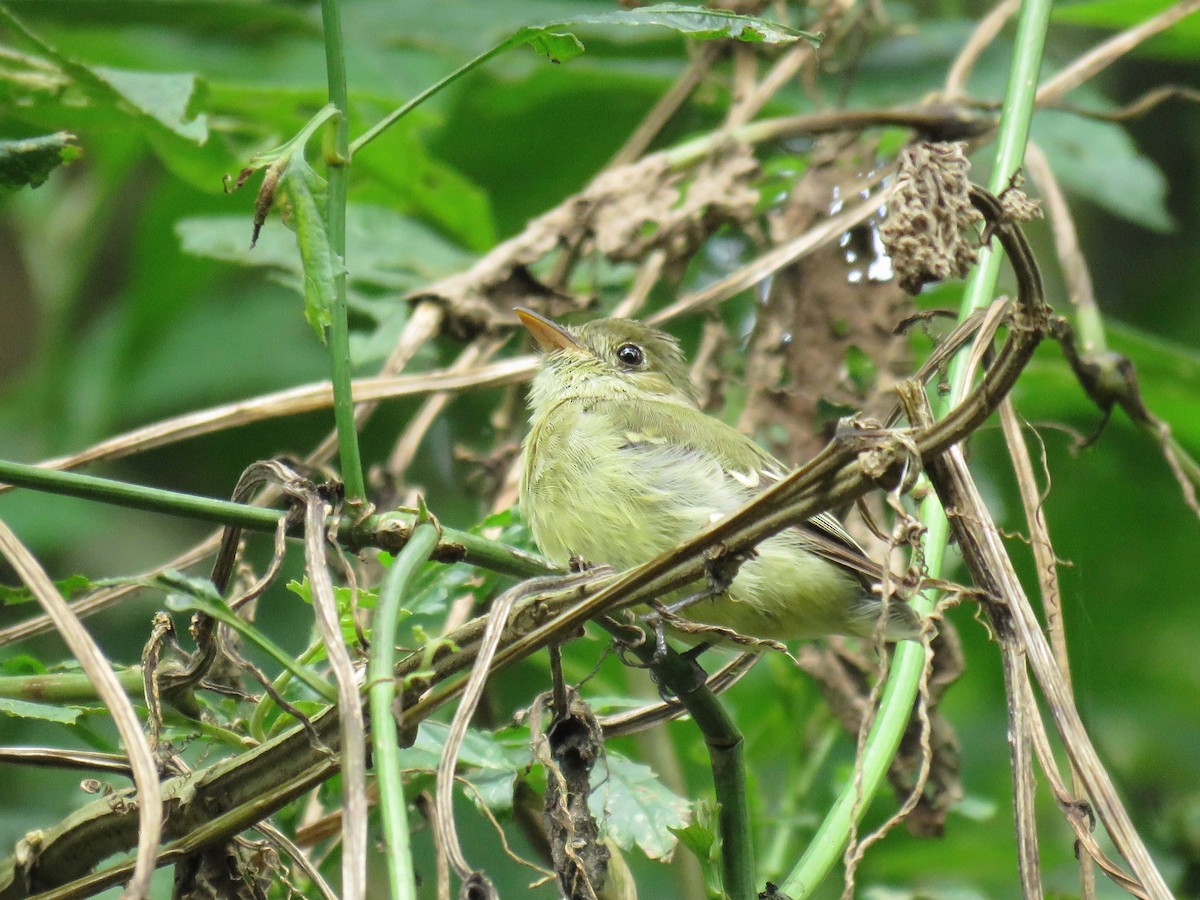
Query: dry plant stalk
point(1009, 611)
point(95, 664)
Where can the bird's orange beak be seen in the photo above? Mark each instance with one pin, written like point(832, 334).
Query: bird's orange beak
point(549, 334)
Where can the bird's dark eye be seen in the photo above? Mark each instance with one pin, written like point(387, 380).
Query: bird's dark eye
point(631, 355)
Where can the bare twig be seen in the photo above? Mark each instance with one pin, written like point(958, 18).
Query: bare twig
point(667, 105)
point(981, 38)
point(774, 259)
point(1020, 759)
point(1104, 55)
point(1135, 108)
point(1032, 500)
point(760, 94)
point(292, 401)
point(284, 843)
point(1066, 246)
point(1078, 813)
point(472, 357)
point(448, 763)
point(647, 276)
point(57, 758)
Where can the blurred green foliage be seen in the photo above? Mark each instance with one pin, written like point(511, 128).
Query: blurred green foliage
point(127, 293)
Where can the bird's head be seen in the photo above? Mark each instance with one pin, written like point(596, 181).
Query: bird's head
point(606, 358)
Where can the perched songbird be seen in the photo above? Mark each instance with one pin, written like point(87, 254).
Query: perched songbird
point(621, 465)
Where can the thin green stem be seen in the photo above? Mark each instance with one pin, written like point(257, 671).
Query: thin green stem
point(338, 161)
point(400, 112)
point(136, 496)
point(895, 706)
point(66, 687)
point(387, 531)
point(282, 680)
point(382, 691)
point(226, 736)
point(895, 709)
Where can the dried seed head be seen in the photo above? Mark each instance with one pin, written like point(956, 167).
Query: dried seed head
point(928, 230)
point(1019, 206)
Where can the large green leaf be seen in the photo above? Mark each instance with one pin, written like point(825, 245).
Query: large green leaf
point(70, 586)
point(1099, 160)
point(637, 808)
point(159, 98)
point(694, 21)
point(301, 200)
point(479, 750)
point(23, 709)
point(163, 96)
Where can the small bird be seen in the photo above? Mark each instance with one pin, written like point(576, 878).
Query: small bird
point(621, 465)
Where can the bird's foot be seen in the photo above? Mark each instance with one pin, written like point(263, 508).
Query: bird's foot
point(682, 686)
point(722, 567)
point(627, 650)
point(711, 590)
point(577, 564)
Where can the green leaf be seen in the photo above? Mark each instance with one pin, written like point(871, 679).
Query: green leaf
point(1099, 160)
point(405, 181)
point(346, 604)
point(552, 40)
point(23, 709)
point(494, 789)
point(68, 587)
point(163, 96)
point(22, 664)
point(637, 807)
point(301, 199)
point(554, 46)
point(700, 838)
point(480, 750)
point(30, 161)
point(386, 251)
point(342, 595)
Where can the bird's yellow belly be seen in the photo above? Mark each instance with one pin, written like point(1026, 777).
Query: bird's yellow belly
point(598, 495)
point(782, 592)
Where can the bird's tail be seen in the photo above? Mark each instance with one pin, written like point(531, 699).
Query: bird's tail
point(902, 624)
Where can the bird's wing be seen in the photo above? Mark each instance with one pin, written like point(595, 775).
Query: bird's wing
point(741, 459)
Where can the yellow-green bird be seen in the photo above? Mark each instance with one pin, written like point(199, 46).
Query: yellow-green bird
point(621, 465)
